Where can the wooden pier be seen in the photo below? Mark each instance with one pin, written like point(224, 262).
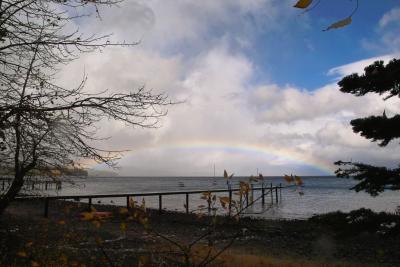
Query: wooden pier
point(32, 184)
point(274, 191)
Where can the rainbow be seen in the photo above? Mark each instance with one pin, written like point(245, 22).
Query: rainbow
point(248, 148)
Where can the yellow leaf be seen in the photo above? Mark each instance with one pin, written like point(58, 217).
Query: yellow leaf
point(86, 216)
point(64, 259)
point(244, 187)
point(132, 203)
point(34, 264)
point(123, 211)
point(303, 3)
point(339, 24)
point(122, 227)
point(299, 181)
point(29, 243)
point(96, 223)
point(288, 178)
point(144, 261)
point(21, 253)
point(61, 222)
point(224, 199)
point(102, 215)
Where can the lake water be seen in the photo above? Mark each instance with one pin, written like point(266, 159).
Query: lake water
point(321, 194)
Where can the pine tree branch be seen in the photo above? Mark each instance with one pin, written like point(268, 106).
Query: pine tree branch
point(374, 180)
point(378, 128)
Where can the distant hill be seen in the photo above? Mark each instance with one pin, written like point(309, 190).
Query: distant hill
point(47, 172)
point(101, 173)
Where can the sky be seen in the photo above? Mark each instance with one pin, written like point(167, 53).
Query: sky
point(257, 80)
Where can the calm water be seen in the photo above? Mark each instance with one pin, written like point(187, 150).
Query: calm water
point(321, 194)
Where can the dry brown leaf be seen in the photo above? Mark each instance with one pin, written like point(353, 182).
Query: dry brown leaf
point(339, 24)
point(303, 4)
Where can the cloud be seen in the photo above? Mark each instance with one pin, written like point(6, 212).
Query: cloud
point(298, 127)
point(272, 104)
point(189, 26)
point(197, 52)
point(393, 16)
point(388, 30)
point(358, 66)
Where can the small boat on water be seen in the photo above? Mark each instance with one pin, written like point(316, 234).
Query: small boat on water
point(181, 184)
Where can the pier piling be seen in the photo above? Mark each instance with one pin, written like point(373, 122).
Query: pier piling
point(271, 193)
point(230, 202)
point(46, 207)
point(264, 191)
point(160, 203)
point(187, 203)
point(262, 194)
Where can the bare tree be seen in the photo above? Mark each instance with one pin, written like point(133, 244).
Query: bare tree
point(43, 126)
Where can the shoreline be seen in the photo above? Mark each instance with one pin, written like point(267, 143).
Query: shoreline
point(312, 241)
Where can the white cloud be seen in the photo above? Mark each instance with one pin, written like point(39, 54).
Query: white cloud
point(284, 105)
point(393, 16)
point(190, 26)
point(312, 127)
point(227, 119)
point(389, 33)
point(358, 66)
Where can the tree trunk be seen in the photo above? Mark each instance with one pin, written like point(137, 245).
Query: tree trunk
point(12, 192)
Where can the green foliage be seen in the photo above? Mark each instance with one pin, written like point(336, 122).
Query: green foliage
point(378, 128)
point(360, 221)
point(377, 78)
point(383, 80)
point(373, 180)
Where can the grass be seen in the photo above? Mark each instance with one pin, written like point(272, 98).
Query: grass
point(233, 259)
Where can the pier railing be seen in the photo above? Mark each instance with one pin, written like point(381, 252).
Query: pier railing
point(32, 184)
point(273, 191)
